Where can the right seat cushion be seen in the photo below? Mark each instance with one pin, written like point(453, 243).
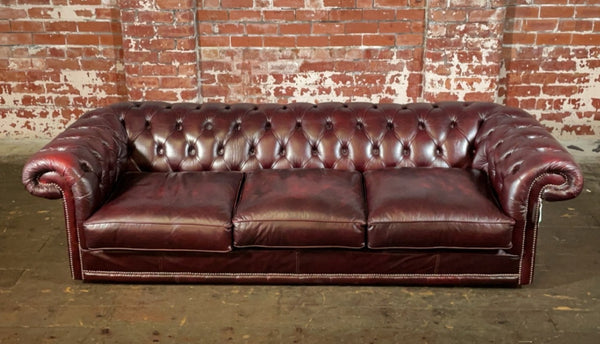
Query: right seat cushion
point(301, 208)
point(434, 208)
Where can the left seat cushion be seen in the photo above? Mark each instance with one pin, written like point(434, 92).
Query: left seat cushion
point(182, 211)
point(301, 208)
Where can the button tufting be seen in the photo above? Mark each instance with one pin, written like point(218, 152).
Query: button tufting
point(191, 151)
point(439, 151)
point(328, 125)
point(314, 151)
point(390, 125)
point(251, 150)
point(208, 126)
point(220, 151)
point(344, 150)
point(360, 126)
point(179, 125)
point(147, 124)
point(282, 151)
point(421, 125)
point(453, 124)
point(268, 125)
point(160, 149)
point(406, 151)
point(298, 125)
point(375, 150)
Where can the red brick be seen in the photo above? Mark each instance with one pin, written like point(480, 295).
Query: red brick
point(345, 15)
point(587, 12)
point(237, 3)
point(83, 39)
point(338, 3)
point(15, 38)
point(395, 27)
point(540, 24)
point(139, 30)
point(12, 13)
point(361, 27)
point(379, 14)
point(279, 41)
point(312, 41)
point(245, 15)
point(26, 26)
point(178, 82)
point(327, 28)
point(155, 17)
point(312, 15)
point(246, 41)
point(391, 3)
point(175, 4)
point(290, 3)
point(95, 26)
point(586, 39)
point(279, 15)
point(519, 38)
point(214, 41)
point(176, 57)
point(260, 29)
point(211, 15)
point(177, 31)
point(295, 29)
point(575, 25)
point(346, 40)
point(557, 12)
point(379, 40)
point(522, 11)
point(553, 38)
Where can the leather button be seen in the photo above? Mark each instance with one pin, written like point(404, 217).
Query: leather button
point(439, 151)
point(251, 151)
point(147, 124)
point(237, 126)
point(328, 125)
point(282, 152)
point(160, 150)
point(268, 126)
point(421, 125)
point(298, 125)
point(179, 126)
point(208, 126)
point(453, 124)
point(191, 151)
point(344, 151)
point(314, 151)
point(360, 126)
point(390, 126)
point(220, 151)
point(375, 151)
point(406, 151)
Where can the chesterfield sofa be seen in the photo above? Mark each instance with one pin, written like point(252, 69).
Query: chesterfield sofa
point(356, 193)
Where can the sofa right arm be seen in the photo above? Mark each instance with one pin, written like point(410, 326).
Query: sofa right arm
point(83, 161)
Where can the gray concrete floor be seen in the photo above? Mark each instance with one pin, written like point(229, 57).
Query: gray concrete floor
point(39, 303)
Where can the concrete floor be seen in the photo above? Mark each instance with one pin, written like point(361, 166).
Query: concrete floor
point(39, 303)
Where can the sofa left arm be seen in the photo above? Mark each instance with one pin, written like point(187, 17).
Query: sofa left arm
point(524, 162)
point(81, 165)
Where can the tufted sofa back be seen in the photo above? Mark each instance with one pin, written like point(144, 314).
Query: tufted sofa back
point(351, 136)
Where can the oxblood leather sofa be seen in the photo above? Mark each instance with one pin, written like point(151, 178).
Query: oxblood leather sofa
point(446, 193)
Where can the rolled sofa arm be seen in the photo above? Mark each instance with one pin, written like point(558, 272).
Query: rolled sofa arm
point(84, 160)
point(524, 162)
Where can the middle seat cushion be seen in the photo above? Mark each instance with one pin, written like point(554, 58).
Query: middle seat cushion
point(301, 208)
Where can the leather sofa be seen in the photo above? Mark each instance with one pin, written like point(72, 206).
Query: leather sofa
point(356, 193)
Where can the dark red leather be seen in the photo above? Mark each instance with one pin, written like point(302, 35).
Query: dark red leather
point(301, 208)
point(186, 211)
point(84, 163)
point(434, 208)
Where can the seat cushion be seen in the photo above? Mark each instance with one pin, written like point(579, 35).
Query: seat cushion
point(189, 211)
point(301, 208)
point(434, 208)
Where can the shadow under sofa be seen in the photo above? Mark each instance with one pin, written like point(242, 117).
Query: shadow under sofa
point(339, 193)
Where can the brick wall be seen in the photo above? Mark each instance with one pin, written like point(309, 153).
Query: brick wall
point(59, 58)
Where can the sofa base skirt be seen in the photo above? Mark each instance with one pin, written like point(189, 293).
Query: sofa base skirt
point(305, 266)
